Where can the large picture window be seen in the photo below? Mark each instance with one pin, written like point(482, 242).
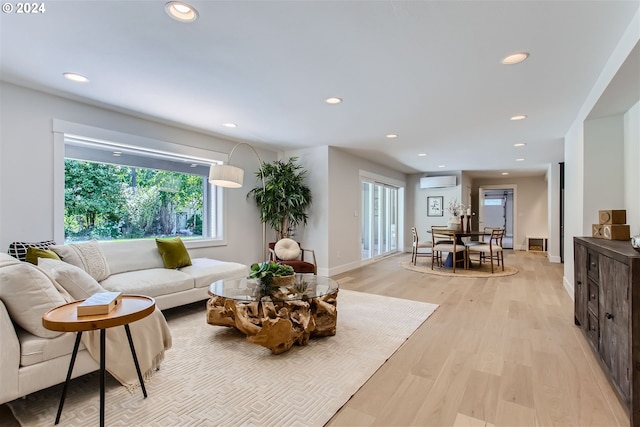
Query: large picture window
point(124, 193)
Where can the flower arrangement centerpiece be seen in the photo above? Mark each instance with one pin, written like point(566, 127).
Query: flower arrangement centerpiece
point(455, 210)
point(271, 276)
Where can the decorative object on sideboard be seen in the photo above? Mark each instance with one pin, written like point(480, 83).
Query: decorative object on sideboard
point(611, 225)
point(635, 242)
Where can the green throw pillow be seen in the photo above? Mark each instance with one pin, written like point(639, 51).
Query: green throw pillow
point(34, 253)
point(173, 252)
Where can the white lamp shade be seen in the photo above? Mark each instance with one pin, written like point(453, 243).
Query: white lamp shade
point(226, 176)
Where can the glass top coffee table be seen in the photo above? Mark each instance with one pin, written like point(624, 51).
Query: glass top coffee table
point(290, 315)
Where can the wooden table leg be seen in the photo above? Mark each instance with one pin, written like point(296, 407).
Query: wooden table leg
point(66, 383)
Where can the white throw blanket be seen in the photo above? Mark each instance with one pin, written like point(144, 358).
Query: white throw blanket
point(151, 337)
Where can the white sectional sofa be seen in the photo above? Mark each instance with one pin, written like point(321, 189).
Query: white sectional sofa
point(31, 361)
point(137, 268)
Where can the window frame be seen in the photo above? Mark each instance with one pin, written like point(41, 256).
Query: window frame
point(63, 130)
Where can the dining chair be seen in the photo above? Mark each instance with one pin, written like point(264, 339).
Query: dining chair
point(446, 242)
point(491, 248)
point(419, 248)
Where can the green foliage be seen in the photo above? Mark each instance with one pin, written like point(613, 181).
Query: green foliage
point(106, 201)
point(285, 198)
point(195, 223)
point(265, 272)
point(142, 210)
point(93, 193)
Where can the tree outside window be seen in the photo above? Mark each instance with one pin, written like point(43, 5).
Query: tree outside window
point(106, 201)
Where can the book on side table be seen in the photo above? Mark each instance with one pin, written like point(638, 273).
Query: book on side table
point(100, 303)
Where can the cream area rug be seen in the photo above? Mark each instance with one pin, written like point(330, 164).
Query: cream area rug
point(476, 271)
point(213, 377)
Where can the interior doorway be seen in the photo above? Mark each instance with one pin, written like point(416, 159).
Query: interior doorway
point(496, 208)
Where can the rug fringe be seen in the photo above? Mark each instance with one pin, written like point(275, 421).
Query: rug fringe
point(155, 366)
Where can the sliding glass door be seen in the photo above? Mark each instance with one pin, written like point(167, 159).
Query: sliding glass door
point(379, 219)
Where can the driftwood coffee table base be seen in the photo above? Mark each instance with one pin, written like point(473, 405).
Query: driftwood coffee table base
point(277, 325)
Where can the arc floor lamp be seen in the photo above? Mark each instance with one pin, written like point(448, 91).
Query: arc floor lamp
point(229, 176)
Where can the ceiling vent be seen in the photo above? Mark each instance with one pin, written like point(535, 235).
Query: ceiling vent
point(437, 181)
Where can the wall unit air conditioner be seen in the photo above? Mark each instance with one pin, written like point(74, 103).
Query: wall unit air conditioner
point(437, 181)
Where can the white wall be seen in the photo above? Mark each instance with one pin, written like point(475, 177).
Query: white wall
point(343, 233)
point(531, 205)
point(578, 197)
point(603, 155)
point(26, 168)
point(632, 168)
point(419, 218)
point(553, 213)
point(333, 229)
point(314, 235)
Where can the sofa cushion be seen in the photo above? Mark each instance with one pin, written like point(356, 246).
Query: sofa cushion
point(34, 253)
point(131, 255)
point(6, 259)
point(205, 271)
point(19, 249)
point(173, 252)
point(87, 256)
point(74, 280)
point(34, 349)
point(28, 293)
point(152, 282)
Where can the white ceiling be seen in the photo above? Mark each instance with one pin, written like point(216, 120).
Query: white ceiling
point(428, 71)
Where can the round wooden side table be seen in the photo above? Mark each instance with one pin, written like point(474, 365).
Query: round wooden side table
point(64, 318)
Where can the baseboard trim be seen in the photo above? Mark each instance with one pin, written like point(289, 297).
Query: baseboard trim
point(568, 286)
point(554, 258)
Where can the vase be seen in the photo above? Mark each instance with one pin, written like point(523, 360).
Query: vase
point(454, 223)
point(635, 242)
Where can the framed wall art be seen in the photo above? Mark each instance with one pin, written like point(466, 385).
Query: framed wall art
point(434, 206)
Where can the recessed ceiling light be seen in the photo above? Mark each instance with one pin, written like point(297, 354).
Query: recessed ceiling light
point(230, 125)
point(193, 165)
point(520, 144)
point(422, 155)
point(181, 11)
point(117, 153)
point(441, 166)
point(515, 58)
point(519, 117)
point(521, 159)
point(392, 135)
point(75, 77)
point(333, 100)
point(505, 173)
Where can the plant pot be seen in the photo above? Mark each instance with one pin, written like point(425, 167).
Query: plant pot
point(283, 281)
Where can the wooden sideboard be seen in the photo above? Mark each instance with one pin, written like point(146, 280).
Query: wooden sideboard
point(607, 310)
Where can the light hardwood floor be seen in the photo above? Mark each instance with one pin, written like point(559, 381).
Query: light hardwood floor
point(498, 351)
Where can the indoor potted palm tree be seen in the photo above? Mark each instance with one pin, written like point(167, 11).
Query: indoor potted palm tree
point(284, 198)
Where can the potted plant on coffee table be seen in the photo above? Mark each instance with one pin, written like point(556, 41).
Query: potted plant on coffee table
point(271, 276)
